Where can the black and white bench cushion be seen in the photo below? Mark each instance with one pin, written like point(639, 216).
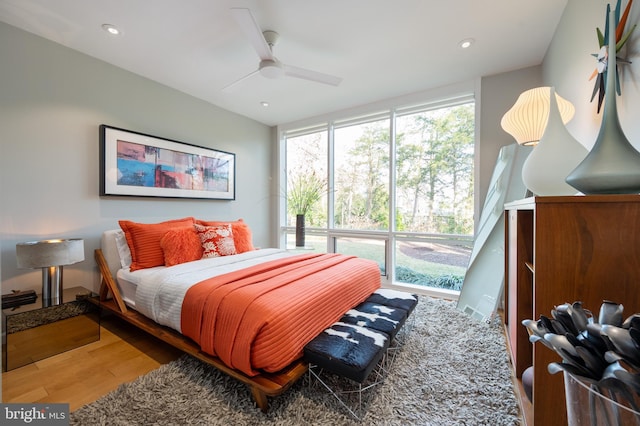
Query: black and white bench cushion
point(348, 350)
point(377, 317)
point(394, 298)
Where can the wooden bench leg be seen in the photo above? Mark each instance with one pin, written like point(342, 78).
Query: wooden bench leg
point(260, 398)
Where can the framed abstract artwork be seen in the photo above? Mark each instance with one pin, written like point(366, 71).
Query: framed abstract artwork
point(136, 164)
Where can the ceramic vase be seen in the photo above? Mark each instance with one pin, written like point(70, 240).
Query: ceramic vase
point(613, 164)
point(300, 230)
point(554, 157)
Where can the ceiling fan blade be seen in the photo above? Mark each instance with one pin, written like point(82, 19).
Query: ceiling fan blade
point(229, 88)
point(252, 30)
point(311, 75)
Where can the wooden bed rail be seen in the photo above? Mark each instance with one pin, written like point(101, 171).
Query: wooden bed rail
point(108, 284)
point(262, 386)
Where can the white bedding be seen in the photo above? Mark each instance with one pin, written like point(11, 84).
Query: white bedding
point(127, 284)
point(161, 290)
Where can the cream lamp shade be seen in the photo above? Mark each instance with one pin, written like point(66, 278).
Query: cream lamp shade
point(556, 152)
point(51, 256)
point(527, 118)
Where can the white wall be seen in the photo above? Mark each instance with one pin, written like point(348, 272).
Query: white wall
point(568, 65)
point(498, 93)
point(52, 100)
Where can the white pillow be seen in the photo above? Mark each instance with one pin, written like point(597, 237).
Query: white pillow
point(123, 249)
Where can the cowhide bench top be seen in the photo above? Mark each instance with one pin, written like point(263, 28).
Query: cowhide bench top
point(376, 316)
point(353, 346)
point(394, 299)
point(347, 350)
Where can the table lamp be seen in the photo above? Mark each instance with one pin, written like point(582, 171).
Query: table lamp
point(537, 119)
point(51, 256)
point(527, 119)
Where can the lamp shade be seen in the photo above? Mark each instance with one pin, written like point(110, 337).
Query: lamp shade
point(556, 154)
point(42, 254)
point(527, 118)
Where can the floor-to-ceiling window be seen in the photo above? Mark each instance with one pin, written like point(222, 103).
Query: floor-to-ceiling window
point(306, 190)
point(394, 186)
point(434, 152)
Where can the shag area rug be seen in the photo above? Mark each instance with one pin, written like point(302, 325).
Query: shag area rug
point(452, 370)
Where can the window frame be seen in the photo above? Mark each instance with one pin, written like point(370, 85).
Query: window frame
point(425, 101)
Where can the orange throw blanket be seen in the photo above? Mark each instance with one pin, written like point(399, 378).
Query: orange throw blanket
point(260, 318)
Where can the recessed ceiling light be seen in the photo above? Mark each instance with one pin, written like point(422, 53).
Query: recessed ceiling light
point(111, 29)
point(264, 103)
point(466, 43)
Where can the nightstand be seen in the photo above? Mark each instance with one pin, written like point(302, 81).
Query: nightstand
point(32, 332)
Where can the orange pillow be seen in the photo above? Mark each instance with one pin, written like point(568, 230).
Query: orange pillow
point(144, 240)
point(181, 245)
point(241, 233)
point(216, 240)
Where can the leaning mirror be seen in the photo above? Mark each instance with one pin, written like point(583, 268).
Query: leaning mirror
point(484, 279)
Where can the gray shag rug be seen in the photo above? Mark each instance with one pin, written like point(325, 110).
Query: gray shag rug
point(452, 370)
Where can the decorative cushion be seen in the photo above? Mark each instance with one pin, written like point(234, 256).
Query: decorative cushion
point(394, 299)
point(181, 245)
point(377, 317)
point(241, 233)
point(216, 240)
point(347, 350)
point(144, 240)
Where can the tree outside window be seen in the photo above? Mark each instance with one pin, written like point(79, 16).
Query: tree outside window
point(432, 182)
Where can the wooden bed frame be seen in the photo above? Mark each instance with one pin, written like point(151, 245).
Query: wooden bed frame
point(262, 386)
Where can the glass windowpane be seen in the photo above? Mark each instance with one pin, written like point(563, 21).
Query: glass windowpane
point(312, 243)
point(432, 264)
point(434, 171)
point(365, 248)
point(362, 176)
point(433, 187)
point(306, 191)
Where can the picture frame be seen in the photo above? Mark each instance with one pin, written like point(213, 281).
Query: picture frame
point(142, 165)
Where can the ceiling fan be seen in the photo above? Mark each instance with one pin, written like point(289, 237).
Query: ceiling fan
point(270, 66)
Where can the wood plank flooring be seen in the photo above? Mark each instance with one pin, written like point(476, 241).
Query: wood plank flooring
point(36, 343)
point(83, 375)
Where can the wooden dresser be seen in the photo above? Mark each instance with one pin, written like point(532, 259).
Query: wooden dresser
point(564, 249)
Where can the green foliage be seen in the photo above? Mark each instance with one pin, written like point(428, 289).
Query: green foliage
point(452, 224)
point(434, 153)
point(303, 191)
point(435, 169)
point(399, 221)
point(362, 195)
point(448, 282)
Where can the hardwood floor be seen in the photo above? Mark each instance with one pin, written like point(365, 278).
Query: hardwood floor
point(83, 375)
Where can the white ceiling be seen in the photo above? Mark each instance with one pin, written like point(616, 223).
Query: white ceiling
point(380, 48)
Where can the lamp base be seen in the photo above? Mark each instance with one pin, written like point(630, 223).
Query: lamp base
point(51, 286)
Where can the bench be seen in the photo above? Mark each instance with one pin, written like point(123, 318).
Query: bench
point(401, 300)
point(395, 299)
point(347, 350)
point(359, 343)
point(376, 316)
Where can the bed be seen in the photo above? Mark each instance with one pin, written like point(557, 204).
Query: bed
point(248, 314)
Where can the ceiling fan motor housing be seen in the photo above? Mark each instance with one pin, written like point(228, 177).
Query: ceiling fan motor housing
point(271, 68)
